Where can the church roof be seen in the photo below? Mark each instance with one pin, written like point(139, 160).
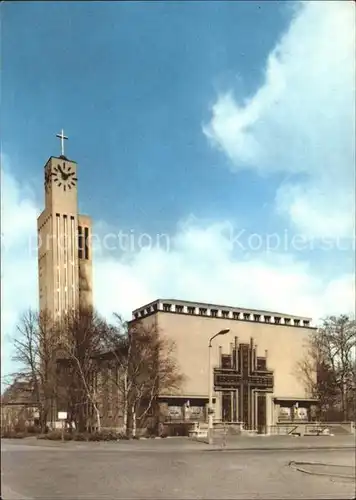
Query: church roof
point(221, 311)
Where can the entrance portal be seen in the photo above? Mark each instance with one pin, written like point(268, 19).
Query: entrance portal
point(244, 379)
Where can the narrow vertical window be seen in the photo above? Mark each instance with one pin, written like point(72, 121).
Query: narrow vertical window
point(80, 242)
point(86, 236)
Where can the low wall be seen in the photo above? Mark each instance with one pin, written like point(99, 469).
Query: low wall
point(305, 428)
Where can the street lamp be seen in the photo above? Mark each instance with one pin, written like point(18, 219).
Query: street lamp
point(210, 407)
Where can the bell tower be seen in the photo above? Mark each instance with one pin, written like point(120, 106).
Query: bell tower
point(64, 241)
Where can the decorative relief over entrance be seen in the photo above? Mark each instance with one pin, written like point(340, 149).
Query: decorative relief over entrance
point(244, 380)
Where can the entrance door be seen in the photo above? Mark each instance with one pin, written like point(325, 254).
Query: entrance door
point(261, 413)
point(226, 407)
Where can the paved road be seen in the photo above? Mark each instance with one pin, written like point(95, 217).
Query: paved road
point(168, 469)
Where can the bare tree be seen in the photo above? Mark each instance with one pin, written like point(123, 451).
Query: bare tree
point(328, 370)
point(35, 347)
point(119, 346)
point(62, 363)
point(145, 368)
point(82, 334)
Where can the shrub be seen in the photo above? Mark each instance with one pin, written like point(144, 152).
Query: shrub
point(104, 435)
point(33, 429)
point(123, 436)
point(13, 434)
point(20, 427)
point(56, 435)
point(151, 432)
point(95, 436)
point(110, 435)
point(80, 436)
point(19, 435)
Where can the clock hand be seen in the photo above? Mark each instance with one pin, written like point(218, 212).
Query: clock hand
point(63, 174)
point(60, 169)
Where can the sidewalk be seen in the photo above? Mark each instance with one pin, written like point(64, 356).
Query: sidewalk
point(238, 443)
point(284, 443)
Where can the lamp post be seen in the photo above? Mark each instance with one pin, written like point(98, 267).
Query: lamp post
point(210, 378)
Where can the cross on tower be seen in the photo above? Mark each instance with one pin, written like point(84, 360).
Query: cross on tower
point(62, 137)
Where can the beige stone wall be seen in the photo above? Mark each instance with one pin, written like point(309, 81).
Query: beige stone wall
point(284, 345)
point(85, 262)
point(45, 262)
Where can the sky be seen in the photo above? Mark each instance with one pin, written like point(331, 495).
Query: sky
point(215, 144)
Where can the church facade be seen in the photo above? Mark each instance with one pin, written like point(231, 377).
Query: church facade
point(254, 364)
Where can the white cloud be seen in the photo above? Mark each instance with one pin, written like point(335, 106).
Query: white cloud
point(301, 121)
point(201, 265)
point(18, 257)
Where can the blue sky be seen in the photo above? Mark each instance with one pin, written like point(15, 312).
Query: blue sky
point(131, 84)
point(187, 119)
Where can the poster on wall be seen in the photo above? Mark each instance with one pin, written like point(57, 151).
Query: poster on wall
point(284, 413)
point(301, 413)
point(195, 412)
point(175, 412)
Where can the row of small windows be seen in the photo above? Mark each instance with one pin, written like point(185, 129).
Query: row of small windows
point(203, 311)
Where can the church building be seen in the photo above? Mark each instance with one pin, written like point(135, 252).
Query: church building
point(254, 357)
point(248, 358)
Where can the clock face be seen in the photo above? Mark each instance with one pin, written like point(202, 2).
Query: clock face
point(63, 176)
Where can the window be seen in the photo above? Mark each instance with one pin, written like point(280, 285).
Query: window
point(225, 361)
point(202, 311)
point(136, 315)
point(148, 310)
point(297, 322)
point(179, 309)
point(277, 320)
point(80, 242)
point(191, 310)
point(287, 321)
point(214, 313)
point(257, 317)
point(246, 315)
point(166, 307)
point(306, 323)
point(235, 315)
point(86, 242)
point(225, 314)
point(267, 319)
point(261, 364)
